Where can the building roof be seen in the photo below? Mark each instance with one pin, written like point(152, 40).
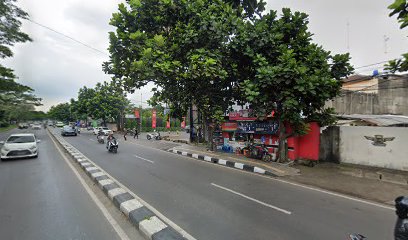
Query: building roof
point(356, 78)
point(379, 120)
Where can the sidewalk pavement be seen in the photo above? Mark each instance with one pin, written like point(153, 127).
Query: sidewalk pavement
point(375, 184)
point(275, 168)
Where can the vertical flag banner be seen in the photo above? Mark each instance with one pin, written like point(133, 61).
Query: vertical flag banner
point(168, 123)
point(137, 113)
point(183, 123)
point(154, 118)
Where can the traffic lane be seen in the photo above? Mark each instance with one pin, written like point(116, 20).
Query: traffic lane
point(326, 213)
point(177, 178)
point(42, 199)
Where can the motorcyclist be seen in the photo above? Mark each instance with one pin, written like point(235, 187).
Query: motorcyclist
point(401, 226)
point(100, 133)
point(109, 140)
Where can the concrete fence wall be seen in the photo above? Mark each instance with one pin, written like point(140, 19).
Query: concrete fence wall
point(348, 144)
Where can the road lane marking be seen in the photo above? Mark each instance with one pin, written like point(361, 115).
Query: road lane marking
point(144, 159)
point(121, 233)
point(93, 140)
point(356, 199)
point(252, 199)
point(150, 207)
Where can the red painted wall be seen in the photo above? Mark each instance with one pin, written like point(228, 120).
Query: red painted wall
point(309, 143)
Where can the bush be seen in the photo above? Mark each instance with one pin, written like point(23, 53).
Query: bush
point(4, 124)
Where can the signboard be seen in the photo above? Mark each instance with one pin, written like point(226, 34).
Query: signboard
point(154, 118)
point(258, 127)
point(130, 116)
point(137, 113)
point(242, 115)
point(229, 126)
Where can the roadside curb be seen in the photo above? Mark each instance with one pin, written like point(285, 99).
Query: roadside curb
point(144, 219)
point(226, 163)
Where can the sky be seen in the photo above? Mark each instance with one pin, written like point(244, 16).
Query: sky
point(56, 66)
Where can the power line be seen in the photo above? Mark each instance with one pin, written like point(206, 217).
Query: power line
point(374, 64)
point(71, 38)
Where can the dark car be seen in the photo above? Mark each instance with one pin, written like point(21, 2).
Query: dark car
point(68, 131)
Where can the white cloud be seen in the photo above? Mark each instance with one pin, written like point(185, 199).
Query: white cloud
point(57, 67)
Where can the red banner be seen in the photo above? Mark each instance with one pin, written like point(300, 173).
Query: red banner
point(183, 123)
point(168, 123)
point(154, 118)
point(242, 115)
point(229, 126)
point(137, 113)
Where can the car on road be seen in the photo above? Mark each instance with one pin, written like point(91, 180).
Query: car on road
point(19, 146)
point(36, 126)
point(68, 131)
point(105, 130)
point(22, 125)
point(59, 124)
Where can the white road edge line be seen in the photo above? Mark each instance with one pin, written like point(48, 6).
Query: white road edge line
point(252, 199)
point(147, 160)
point(93, 140)
point(121, 233)
point(356, 199)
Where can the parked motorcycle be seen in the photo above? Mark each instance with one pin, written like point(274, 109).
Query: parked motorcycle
point(113, 146)
point(153, 135)
point(258, 152)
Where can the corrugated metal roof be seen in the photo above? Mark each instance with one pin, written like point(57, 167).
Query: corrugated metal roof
point(379, 120)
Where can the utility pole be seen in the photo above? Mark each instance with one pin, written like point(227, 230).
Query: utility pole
point(191, 123)
point(386, 39)
point(141, 115)
point(348, 35)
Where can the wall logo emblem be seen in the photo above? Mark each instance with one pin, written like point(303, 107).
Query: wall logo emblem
point(379, 140)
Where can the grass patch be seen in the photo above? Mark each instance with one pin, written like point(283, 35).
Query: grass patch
point(4, 129)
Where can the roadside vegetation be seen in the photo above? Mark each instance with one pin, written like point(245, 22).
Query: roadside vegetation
point(16, 99)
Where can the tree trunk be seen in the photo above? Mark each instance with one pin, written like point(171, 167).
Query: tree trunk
point(283, 147)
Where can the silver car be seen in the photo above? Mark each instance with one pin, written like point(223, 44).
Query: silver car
point(19, 146)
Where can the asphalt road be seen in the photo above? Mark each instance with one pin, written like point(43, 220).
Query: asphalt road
point(213, 202)
point(41, 198)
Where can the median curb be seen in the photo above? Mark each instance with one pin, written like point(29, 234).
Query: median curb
point(144, 219)
point(226, 163)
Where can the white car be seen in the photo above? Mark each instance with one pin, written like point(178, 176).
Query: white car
point(36, 126)
point(19, 146)
point(105, 130)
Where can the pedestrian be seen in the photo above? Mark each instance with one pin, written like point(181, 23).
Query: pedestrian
point(124, 136)
point(136, 134)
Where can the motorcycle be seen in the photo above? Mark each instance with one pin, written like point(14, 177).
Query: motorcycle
point(258, 152)
point(101, 139)
point(153, 135)
point(113, 146)
point(356, 236)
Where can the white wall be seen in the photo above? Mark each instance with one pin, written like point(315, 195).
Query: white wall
point(355, 148)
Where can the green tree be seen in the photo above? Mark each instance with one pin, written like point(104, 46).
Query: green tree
point(61, 112)
point(180, 46)
point(13, 95)
point(108, 103)
point(281, 70)
point(399, 8)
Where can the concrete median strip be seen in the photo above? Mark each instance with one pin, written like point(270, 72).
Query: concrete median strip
point(145, 220)
point(227, 163)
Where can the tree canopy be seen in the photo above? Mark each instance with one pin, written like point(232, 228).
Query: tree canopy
point(400, 9)
point(214, 54)
point(13, 95)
